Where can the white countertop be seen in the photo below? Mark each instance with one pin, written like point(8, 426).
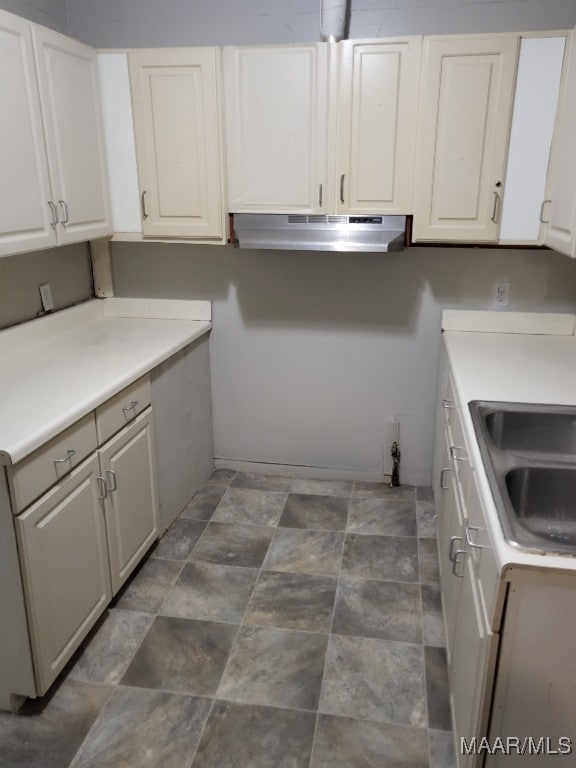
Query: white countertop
point(514, 367)
point(58, 368)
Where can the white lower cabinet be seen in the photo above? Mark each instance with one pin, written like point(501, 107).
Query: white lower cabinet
point(127, 464)
point(510, 627)
point(81, 540)
point(465, 556)
point(62, 541)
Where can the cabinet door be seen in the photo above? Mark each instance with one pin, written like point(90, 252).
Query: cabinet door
point(276, 125)
point(561, 185)
point(176, 121)
point(378, 102)
point(535, 102)
point(464, 120)
point(451, 547)
point(62, 540)
point(25, 190)
point(127, 463)
point(473, 654)
point(70, 97)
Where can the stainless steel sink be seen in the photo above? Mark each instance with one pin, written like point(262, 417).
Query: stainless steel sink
point(544, 500)
point(529, 452)
point(549, 430)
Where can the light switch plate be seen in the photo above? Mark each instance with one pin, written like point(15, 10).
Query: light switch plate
point(46, 296)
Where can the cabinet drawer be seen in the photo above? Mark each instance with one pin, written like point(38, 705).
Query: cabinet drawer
point(33, 475)
point(122, 408)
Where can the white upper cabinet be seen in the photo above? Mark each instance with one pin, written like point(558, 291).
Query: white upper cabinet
point(276, 125)
point(177, 125)
point(55, 186)
point(465, 108)
point(70, 97)
point(377, 110)
point(25, 215)
point(560, 211)
point(535, 103)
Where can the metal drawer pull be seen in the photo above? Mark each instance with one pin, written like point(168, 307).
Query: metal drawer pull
point(54, 212)
point(496, 209)
point(442, 486)
point(454, 453)
point(132, 407)
point(542, 219)
point(448, 403)
point(469, 540)
point(451, 547)
point(103, 488)
point(456, 562)
point(112, 486)
point(70, 453)
point(65, 216)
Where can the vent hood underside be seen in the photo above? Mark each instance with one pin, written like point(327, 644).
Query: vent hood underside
point(319, 233)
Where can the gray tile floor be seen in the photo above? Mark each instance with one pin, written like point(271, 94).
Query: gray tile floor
point(278, 624)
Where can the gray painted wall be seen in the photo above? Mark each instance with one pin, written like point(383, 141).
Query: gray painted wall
point(312, 353)
point(50, 13)
point(109, 23)
point(67, 269)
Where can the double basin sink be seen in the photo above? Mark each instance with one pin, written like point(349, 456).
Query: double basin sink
point(529, 452)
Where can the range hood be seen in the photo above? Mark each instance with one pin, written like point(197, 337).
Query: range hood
point(296, 232)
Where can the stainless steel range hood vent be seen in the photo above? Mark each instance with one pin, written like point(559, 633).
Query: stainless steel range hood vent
point(319, 233)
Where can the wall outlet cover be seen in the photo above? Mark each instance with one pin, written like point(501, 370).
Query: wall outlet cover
point(46, 297)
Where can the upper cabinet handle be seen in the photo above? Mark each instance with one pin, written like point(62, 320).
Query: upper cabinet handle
point(143, 203)
point(54, 212)
point(496, 208)
point(542, 219)
point(65, 217)
point(320, 196)
point(342, 187)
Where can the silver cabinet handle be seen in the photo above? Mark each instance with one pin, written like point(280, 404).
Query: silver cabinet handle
point(496, 208)
point(103, 488)
point(454, 453)
point(320, 196)
point(132, 407)
point(442, 486)
point(65, 216)
point(143, 204)
point(112, 485)
point(448, 403)
point(69, 454)
point(342, 187)
point(451, 553)
point(469, 541)
point(456, 562)
point(54, 212)
point(542, 219)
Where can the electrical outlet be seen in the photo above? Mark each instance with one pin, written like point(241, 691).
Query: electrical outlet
point(46, 296)
point(501, 293)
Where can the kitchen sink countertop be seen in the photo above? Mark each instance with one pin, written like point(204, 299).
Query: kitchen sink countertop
point(510, 357)
point(62, 366)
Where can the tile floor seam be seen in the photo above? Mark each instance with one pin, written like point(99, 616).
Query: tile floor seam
point(322, 679)
point(112, 690)
point(241, 622)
